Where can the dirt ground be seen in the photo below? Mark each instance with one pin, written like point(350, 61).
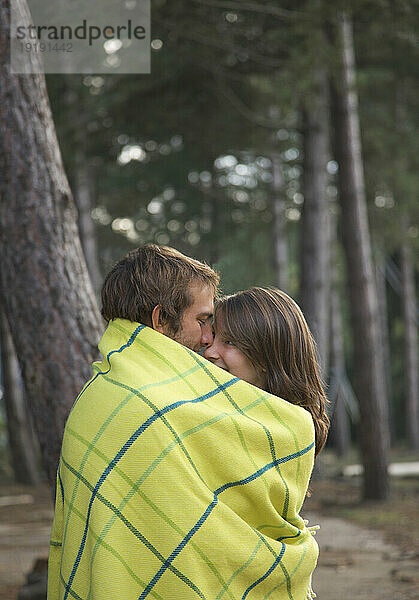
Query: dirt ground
point(367, 550)
point(378, 562)
point(25, 523)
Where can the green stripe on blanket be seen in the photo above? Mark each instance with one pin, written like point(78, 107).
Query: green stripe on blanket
point(178, 481)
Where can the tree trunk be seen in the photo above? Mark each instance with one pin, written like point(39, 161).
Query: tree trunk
point(211, 213)
point(380, 277)
point(20, 435)
point(367, 363)
point(340, 431)
point(315, 230)
point(44, 285)
point(279, 225)
point(411, 348)
point(340, 427)
point(80, 175)
point(83, 198)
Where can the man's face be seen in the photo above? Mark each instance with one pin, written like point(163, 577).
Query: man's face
point(196, 329)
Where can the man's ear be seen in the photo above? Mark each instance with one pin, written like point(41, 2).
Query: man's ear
point(155, 319)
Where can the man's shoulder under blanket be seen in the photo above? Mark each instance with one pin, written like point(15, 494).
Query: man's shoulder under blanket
point(177, 477)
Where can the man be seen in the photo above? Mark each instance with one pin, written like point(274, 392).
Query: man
point(166, 290)
point(167, 485)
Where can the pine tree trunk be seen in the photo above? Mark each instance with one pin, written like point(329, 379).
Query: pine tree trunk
point(340, 431)
point(83, 198)
point(279, 225)
point(380, 277)
point(80, 175)
point(315, 229)
point(20, 436)
point(411, 348)
point(367, 363)
point(211, 211)
point(44, 285)
point(340, 426)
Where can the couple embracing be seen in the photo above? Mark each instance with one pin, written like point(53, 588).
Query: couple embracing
point(187, 456)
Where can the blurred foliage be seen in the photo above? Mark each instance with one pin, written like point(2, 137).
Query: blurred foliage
point(182, 156)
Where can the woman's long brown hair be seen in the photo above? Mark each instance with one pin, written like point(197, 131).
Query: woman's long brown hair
point(270, 329)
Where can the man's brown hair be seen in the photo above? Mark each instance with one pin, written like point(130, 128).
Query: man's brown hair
point(154, 275)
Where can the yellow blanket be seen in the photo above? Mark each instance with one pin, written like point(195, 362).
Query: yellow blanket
point(178, 481)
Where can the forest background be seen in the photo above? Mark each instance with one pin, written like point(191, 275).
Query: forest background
point(276, 143)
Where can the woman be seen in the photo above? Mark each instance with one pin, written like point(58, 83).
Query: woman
point(262, 337)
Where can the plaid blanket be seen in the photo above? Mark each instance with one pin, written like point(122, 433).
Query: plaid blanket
point(178, 481)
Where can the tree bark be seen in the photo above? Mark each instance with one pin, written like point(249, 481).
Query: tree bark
point(340, 427)
point(380, 277)
point(80, 175)
point(340, 431)
point(44, 285)
point(20, 436)
point(315, 229)
point(279, 225)
point(411, 348)
point(83, 198)
point(367, 363)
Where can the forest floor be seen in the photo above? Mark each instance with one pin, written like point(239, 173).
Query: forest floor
point(367, 550)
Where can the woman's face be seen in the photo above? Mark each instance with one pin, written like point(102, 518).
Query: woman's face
point(223, 353)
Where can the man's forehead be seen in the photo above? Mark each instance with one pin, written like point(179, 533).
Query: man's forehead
point(202, 288)
point(202, 298)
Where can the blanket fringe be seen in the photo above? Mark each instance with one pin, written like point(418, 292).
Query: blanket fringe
point(313, 529)
point(310, 594)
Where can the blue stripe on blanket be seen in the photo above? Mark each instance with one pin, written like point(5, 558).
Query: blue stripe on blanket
point(260, 472)
point(130, 341)
point(133, 530)
point(202, 364)
point(124, 449)
point(268, 572)
point(208, 511)
point(61, 483)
